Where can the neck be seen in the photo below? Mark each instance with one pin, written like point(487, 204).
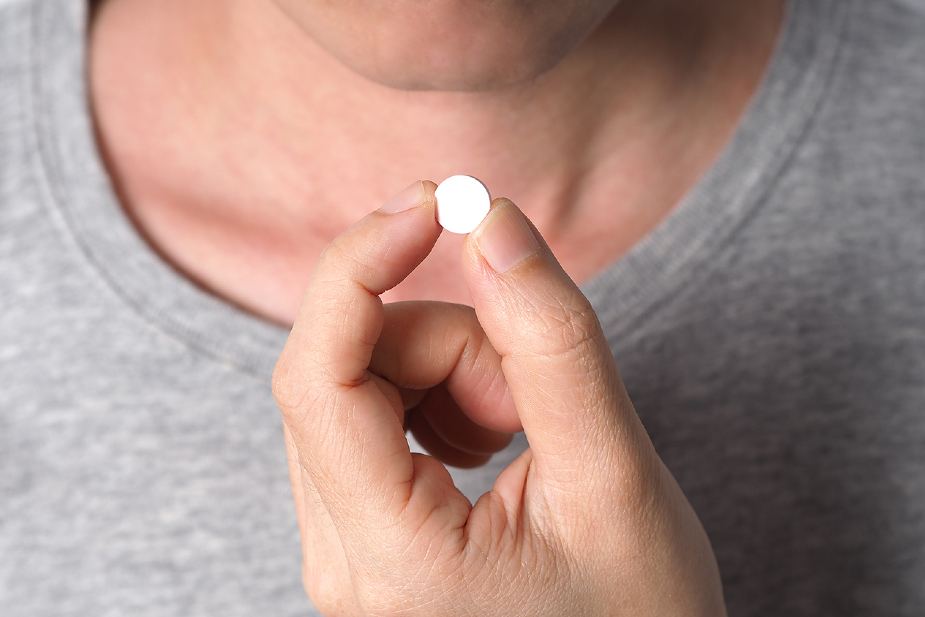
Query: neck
point(225, 108)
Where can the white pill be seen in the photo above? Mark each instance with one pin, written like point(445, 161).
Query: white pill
point(462, 203)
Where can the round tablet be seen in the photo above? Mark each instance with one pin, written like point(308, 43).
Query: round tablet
point(462, 203)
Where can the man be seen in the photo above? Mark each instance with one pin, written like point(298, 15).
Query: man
point(736, 186)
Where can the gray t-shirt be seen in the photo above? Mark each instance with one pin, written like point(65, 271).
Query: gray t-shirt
point(771, 332)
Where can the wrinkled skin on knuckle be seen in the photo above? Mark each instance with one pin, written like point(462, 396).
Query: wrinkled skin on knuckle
point(287, 389)
point(487, 385)
point(341, 257)
point(561, 326)
point(317, 414)
point(296, 383)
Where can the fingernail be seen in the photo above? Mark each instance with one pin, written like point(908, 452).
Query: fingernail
point(504, 238)
point(409, 197)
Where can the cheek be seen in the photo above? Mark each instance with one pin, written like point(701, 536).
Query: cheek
point(448, 44)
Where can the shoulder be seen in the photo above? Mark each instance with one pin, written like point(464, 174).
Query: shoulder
point(883, 57)
point(855, 181)
point(14, 16)
point(869, 135)
point(15, 19)
point(899, 22)
point(16, 64)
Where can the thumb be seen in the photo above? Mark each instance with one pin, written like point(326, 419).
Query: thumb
point(573, 406)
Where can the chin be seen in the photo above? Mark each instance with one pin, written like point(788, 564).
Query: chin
point(464, 45)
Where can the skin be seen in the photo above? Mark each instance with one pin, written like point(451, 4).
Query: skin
point(188, 96)
point(245, 136)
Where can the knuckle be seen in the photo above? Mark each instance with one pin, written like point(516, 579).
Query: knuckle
point(488, 386)
point(341, 256)
point(564, 326)
point(297, 391)
point(288, 391)
point(475, 338)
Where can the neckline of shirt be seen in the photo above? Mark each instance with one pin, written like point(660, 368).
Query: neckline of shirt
point(83, 200)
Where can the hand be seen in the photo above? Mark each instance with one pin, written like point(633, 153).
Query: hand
point(586, 521)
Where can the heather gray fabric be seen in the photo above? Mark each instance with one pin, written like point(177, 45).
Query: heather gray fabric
point(771, 332)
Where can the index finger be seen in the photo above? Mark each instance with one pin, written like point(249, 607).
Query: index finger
point(344, 422)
